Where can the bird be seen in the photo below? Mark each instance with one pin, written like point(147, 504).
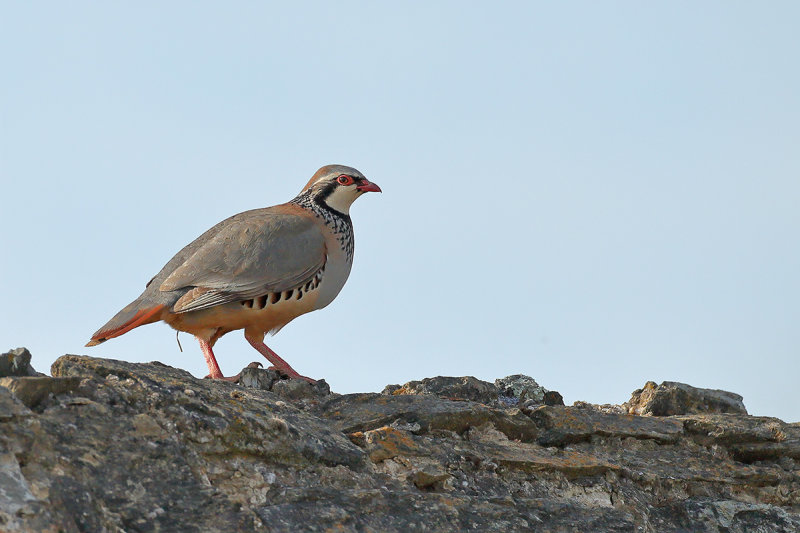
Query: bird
point(257, 271)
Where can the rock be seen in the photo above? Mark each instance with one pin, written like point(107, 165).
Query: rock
point(552, 397)
point(747, 438)
point(291, 389)
point(17, 362)
point(387, 442)
point(258, 378)
point(147, 447)
point(603, 408)
point(363, 412)
point(427, 480)
point(524, 389)
point(465, 388)
point(566, 425)
point(672, 398)
point(32, 390)
point(389, 389)
point(485, 441)
point(11, 407)
point(701, 516)
point(20, 510)
point(298, 389)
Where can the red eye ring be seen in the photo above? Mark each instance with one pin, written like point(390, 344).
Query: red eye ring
point(344, 179)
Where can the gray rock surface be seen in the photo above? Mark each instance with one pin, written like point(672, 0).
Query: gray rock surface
point(451, 388)
point(672, 398)
point(146, 447)
point(17, 362)
point(523, 388)
point(33, 390)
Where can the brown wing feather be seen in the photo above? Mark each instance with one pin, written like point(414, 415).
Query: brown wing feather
point(256, 252)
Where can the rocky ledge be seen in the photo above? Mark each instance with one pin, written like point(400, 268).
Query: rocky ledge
point(105, 445)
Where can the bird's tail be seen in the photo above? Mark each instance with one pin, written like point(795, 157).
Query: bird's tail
point(135, 314)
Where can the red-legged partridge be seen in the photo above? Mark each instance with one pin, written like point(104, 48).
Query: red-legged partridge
point(256, 271)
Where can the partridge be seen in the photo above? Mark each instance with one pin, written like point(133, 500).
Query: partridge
point(256, 271)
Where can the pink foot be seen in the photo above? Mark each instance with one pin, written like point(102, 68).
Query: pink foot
point(232, 379)
point(278, 364)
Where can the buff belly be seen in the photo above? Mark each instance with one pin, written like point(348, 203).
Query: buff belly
point(266, 313)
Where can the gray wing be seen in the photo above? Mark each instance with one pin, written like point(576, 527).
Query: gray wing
point(252, 254)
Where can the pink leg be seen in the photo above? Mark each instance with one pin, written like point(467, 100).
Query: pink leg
point(257, 342)
point(213, 368)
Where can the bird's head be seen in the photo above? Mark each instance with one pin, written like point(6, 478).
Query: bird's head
point(338, 186)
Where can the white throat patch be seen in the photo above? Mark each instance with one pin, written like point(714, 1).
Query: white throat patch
point(342, 198)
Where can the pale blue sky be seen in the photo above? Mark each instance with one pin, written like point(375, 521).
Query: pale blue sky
point(596, 194)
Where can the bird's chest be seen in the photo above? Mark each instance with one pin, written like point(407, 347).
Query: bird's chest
point(339, 242)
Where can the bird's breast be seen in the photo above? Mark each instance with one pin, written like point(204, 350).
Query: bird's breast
point(340, 244)
point(337, 270)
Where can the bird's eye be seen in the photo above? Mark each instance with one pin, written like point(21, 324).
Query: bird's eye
point(345, 179)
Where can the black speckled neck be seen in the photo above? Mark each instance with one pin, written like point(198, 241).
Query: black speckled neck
point(339, 223)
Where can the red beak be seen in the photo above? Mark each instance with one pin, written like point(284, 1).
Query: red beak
point(368, 186)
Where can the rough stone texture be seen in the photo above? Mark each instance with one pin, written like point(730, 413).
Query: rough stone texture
point(146, 447)
point(567, 425)
point(553, 397)
point(523, 388)
point(462, 388)
point(33, 390)
point(290, 389)
point(17, 362)
point(671, 398)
